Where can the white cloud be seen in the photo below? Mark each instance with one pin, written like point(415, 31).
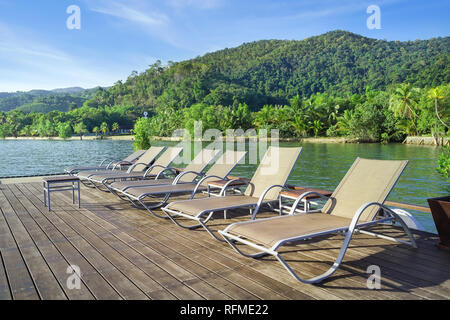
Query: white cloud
point(29, 64)
point(130, 13)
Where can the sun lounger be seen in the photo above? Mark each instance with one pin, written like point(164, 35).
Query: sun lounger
point(141, 165)
point(220, 170)
point(161, 164)
point(107, 164)
point(270, 177)
point(200, 162)
point(353, 206)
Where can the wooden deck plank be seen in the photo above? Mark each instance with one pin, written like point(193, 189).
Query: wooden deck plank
point(118, 258)
point(187, 253)
point(211, 275)
point(173, 277)
point(213, 265)
point(5, 292)
point(192, 233)
point(175, 230)
point(95, 269)
point(117, 274)
point(125, 249)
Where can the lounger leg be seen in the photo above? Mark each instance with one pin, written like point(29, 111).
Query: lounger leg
point(160, 204)
point(248, 255)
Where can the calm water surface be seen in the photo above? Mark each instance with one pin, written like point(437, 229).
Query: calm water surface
point(319, 165)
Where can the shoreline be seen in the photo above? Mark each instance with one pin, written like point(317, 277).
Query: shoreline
point(411, 140)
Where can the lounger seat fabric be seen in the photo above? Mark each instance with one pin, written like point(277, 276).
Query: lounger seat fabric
point(120, 185)
point(87, 174)
point(118, 175)
point(162, 189)
point(269, 231)
point(194, 207)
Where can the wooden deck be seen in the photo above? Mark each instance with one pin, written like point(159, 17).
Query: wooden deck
point(124, 253)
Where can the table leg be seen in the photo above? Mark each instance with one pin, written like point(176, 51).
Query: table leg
point(79, 198)
point(48, 195)
point(45, 195)
point(73, 193)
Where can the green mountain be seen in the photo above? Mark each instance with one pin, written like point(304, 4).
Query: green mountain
point(272, 71)
point(45, 100)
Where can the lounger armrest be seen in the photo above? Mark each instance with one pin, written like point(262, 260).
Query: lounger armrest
point(151, 168)
point(394, 216)
point(104, 161)
point(185, 173)
point(225, 187)
point(162, 173)
point(303, 196)
point(134, 166)
point(263, 195)
point(199, 183)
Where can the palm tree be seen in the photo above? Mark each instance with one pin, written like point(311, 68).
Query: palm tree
point(96, 130)
point(104, 128)
point(80, 129)
point(344, 122)
point(115, 127)
point(316, 126)
point(437, 94)
point(403, 101)
point(300, 125)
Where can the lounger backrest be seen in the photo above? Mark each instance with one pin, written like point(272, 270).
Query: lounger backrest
point(275, 168)
point(366, 181)
point(147, 158)
point(165, 159)
point(199, 163)
point(134, 156)
point(225, 164)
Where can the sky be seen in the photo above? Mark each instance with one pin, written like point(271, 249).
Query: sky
point(39, 51)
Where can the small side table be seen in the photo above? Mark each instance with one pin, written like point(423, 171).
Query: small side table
point(61, 183)
point(294, 194)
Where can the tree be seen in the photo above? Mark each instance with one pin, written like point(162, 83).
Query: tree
point(80, 129)
point(96, 130)
point(141, 134)
point(64, 130)
point(437, 94)
point(115, 127)
point(5, 130)
point(403, 103)
point(104, 128)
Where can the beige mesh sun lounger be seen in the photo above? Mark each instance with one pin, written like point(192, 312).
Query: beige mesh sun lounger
point(353, 206)
point(219, 171)
point(140, 166)
point(161, 164)
point(107, 164)
point(197, 165)
point(271, 176)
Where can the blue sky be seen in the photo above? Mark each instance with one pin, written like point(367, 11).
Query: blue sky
point(38, 51)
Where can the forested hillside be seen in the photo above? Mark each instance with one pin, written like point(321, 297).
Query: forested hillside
point(45, 101)
point(335, 84)
point(273, 71)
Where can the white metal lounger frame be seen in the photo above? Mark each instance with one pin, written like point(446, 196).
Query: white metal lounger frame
point(353, 227)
